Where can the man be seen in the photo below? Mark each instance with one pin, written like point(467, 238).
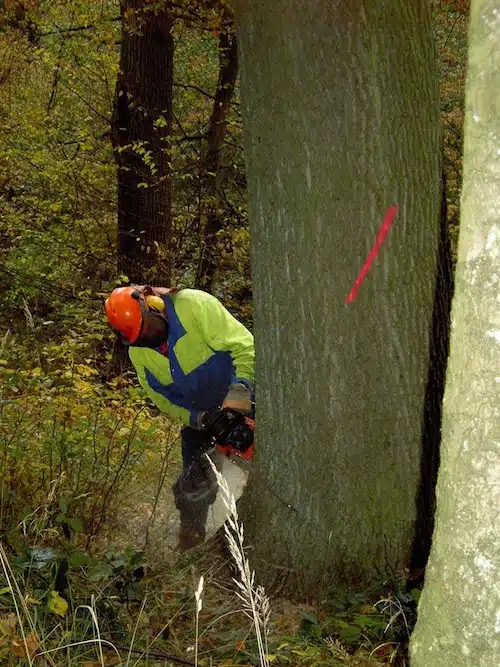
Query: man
point(191, 357)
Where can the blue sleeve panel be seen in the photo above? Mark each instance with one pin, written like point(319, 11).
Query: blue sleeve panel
point(208, 349)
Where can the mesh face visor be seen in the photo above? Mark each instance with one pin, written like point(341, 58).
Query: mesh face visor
point(154, 330)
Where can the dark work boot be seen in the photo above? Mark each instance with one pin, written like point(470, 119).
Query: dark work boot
point(190, 537)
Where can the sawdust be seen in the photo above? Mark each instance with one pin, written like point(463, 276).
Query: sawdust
point(148, 519)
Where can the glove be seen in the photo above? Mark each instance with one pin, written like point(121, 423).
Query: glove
point(239, 398)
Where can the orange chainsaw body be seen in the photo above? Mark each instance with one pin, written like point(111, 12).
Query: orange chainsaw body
point(227, 450)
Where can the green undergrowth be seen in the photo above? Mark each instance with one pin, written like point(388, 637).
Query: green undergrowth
point(141, 616)
point(70, 445)
point(83, 463)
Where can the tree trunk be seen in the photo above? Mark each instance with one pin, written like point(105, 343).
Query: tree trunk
point(459, 612)
point(341, 115)
point(228, 71)
point(142, 126)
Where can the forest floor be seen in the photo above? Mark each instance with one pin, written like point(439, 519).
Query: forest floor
point(149, 521)
point(90, 573)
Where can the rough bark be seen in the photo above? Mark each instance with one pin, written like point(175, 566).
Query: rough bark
point(341, 122)
point(142, 126)
point(459, 611)
point(212, 167)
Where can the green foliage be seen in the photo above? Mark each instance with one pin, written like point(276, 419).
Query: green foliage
point(450, 25)
point(360, 622)
point(74, 437)
point(58, 203)
point(55, 164)
point(69, 444)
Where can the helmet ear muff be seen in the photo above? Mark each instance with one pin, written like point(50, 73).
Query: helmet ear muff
point(152, 301)
point(155, 303)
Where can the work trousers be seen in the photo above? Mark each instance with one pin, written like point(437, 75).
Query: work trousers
point(196, 488)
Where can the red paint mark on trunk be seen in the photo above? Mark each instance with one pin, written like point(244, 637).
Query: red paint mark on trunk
point(384, 229)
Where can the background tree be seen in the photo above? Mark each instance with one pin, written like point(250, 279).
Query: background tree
point(142, 126)
point(212, 167)
point(459, 617)
point(341, 113)
point(58, 185)
point(450, 28)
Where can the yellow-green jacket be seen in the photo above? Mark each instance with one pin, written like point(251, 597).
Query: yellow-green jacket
point(208, 350)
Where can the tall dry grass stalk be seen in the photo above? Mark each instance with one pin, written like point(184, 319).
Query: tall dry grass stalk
point(20, 605)
point(30, 322)
point(3, 342)
point(255, 601)
point(199, 603)
point(25, 618)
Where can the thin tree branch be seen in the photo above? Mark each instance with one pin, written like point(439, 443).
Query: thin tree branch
point(190, 86)
point(61, 31)
point(157, 654)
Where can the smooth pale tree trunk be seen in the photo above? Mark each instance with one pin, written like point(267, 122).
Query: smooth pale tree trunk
point(459, 611)
point(341, 122)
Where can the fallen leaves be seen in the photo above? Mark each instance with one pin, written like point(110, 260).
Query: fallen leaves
point(14, 642)
point(22, 648)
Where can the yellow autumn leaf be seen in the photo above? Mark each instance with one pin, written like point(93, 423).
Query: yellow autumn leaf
point(8, 624)
point(57, 604)
point(85, 371)
point(83, 387)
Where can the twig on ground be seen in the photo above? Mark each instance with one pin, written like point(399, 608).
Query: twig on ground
point(158, 654)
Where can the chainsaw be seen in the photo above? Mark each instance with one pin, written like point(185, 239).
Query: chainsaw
point(232, 432)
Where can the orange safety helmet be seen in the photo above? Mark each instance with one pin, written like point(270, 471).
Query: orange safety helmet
point(124, 312)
